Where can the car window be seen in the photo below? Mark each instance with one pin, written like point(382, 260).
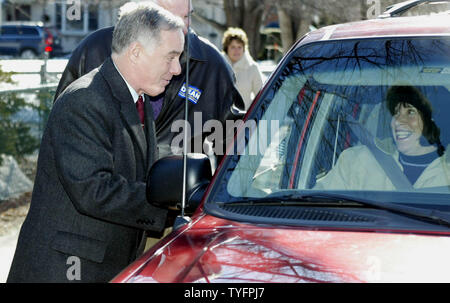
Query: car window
point(29, 31)
point(10, 30)
point(357, 115)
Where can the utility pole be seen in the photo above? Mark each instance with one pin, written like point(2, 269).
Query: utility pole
point(1, 12)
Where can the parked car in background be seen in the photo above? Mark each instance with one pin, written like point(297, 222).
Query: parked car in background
point(313, 188)
point(28, 40)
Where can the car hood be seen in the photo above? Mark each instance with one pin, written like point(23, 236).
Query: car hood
point(216, 250)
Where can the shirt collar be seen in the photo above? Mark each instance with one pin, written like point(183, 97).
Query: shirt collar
point(133, 92)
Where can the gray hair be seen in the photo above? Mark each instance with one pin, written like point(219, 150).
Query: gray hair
point(143, 22)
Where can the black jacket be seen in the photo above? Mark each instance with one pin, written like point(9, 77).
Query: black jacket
point(215, 95)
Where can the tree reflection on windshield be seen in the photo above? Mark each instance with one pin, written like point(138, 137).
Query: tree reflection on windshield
point(327, 95)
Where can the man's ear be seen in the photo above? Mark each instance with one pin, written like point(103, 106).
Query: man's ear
point(134, 52)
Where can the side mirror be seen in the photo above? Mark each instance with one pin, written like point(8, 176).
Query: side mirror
point(165, 181)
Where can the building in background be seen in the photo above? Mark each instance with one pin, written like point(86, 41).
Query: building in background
point(72, 20)
point(205, 12)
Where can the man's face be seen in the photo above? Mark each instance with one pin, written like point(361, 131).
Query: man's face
point(179, 8)
point(157, 65)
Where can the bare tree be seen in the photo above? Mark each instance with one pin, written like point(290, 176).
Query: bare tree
point(295, 16)
point(248, 15)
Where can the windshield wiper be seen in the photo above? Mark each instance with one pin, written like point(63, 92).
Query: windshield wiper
point(295, 199)
point(321, 199)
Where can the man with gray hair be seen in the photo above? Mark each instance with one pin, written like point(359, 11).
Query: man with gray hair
point(217, 97)
point(89, 211)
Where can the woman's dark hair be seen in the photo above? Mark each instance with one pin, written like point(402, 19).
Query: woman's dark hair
point(410, 95)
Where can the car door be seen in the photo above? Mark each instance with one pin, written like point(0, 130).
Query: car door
point(9, 40)
point(31, 39)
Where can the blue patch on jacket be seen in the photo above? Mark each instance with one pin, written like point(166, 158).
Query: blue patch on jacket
point(194, 93)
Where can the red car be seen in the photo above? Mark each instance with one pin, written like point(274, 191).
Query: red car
point(341, 172)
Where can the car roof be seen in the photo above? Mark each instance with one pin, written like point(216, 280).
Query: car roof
point(22, 23)
point(438, 24)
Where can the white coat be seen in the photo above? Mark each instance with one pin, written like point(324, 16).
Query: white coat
point(357, 169)
point(249, 79)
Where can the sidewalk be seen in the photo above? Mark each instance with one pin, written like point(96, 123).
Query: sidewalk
point(12, 216)
point(7, 248)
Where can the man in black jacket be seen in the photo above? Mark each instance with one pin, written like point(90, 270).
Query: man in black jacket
point(216, 97)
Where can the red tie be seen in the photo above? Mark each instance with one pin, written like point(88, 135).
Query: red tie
point(140, 109)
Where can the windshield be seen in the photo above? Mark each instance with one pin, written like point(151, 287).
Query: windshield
point(367, 118)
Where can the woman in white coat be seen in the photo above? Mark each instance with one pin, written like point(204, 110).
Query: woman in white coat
point(415, 147)
point(249, 78)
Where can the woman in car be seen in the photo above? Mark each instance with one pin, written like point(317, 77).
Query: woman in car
point(415, 147)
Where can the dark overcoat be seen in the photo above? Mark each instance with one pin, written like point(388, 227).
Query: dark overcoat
point(89, 197)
